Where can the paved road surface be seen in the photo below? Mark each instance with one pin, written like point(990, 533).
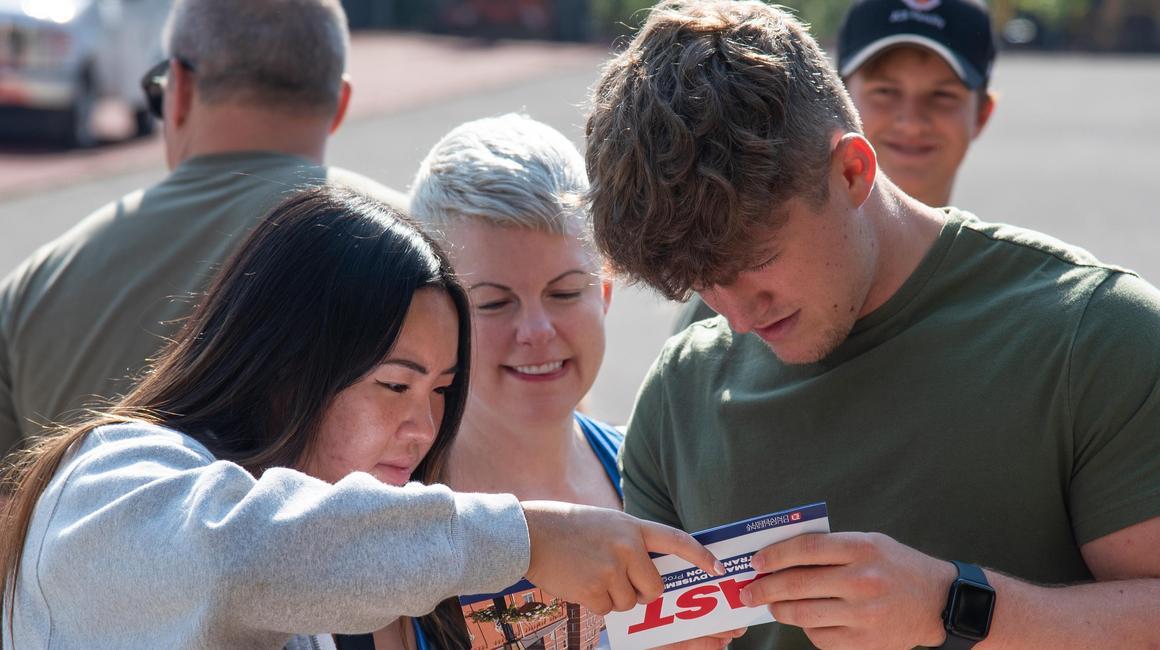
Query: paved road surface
point(1070, 151)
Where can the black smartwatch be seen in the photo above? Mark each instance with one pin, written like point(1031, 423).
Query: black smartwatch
point(967, 617)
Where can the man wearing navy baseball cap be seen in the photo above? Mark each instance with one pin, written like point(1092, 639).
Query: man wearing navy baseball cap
point(918, 72)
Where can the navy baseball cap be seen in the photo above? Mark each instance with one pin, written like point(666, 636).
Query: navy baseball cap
point(959, 31)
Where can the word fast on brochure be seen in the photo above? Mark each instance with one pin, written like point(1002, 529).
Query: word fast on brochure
point(695, 603)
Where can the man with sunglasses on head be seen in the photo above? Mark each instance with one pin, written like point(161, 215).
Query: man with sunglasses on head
point(248, 96)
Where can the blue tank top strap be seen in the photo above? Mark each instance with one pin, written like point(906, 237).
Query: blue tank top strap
point(605, 441)
point(420, 638)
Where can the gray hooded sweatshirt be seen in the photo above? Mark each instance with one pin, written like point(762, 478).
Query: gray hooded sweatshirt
point(143, 540)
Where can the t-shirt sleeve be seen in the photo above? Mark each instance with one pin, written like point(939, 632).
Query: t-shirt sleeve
point(1114, 396)
point(10, 434)
point(646, 493)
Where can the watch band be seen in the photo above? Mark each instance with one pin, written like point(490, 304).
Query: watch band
point(971, 573)
point(957, 643)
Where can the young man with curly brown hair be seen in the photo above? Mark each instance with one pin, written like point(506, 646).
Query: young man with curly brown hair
point(918, 74)
point(979, 404)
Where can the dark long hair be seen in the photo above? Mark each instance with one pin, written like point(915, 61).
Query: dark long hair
point(313, 299)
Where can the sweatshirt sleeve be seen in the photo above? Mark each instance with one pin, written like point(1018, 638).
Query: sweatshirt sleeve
point(145, 524)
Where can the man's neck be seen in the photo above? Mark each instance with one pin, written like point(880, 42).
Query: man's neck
point(227, 128)
point(905, 231)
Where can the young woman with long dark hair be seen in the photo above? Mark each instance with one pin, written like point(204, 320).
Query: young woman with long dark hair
point(241, 494)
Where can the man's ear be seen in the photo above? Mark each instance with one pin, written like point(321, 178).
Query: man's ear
point(857, 163)
point(179, 93)
point(986, 109)
point(343, 104)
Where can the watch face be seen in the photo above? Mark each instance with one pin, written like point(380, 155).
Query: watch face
point(970, 614)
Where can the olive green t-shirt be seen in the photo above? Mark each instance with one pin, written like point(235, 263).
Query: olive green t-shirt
point(80, 317)
point(1002, 408)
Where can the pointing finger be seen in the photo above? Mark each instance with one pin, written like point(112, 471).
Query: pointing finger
point(659, 538)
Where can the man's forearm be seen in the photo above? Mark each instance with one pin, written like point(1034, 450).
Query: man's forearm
point(1112, 614)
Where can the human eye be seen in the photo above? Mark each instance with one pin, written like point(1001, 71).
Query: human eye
point(764, 265)
point(567, 294)
point(948, 99)
point(884, 92)
point(394, 387)
point(493, 305)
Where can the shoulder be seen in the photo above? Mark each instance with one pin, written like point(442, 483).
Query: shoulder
point(161, 449)
point(601, 431)
point(1051, 284)
point(40, 269)
point(705, 355)
point(1128, 299)
point(688, 376)
point(1120, 325)
point(351, 180)
point(1033, 244)
point(115, 460)
point(702, 343)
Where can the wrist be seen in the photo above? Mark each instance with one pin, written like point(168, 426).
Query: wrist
point(532, 519)
point(969, 607)
point(944, 576)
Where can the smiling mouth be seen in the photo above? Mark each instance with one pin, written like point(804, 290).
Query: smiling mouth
point(912, 149)
point(541, 369)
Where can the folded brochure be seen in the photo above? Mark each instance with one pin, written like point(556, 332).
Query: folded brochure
point(693, 603)
point(696, 604)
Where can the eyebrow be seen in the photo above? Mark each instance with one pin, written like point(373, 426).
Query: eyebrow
point(890, 77)
point(504, 287)
point(417, 367)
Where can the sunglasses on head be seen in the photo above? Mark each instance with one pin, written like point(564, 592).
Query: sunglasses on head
point(153, 84)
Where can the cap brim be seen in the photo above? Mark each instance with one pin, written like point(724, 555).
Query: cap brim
point(966, 72)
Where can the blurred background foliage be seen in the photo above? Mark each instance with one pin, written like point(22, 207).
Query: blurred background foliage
point(1121, 25)
point(1091, 25)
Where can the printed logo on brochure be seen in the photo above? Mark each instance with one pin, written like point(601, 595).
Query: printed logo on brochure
point(922, 5)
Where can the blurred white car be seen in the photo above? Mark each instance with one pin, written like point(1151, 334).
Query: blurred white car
point(58, 58)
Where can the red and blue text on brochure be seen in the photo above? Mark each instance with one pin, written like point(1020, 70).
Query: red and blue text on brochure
point(696, 604)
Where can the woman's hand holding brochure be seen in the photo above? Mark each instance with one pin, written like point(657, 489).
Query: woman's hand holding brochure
point(600, 557)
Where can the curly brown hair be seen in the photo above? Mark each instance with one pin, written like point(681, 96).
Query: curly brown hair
point(714, 115)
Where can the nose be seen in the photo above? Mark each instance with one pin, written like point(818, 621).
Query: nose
point(739, 307)
point(535, 325)
point(422, 422)
point(912, 114)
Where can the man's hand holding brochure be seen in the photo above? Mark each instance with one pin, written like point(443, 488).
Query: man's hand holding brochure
point(696, 604)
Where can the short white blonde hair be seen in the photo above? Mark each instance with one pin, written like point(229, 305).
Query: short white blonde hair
point(508, 171)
